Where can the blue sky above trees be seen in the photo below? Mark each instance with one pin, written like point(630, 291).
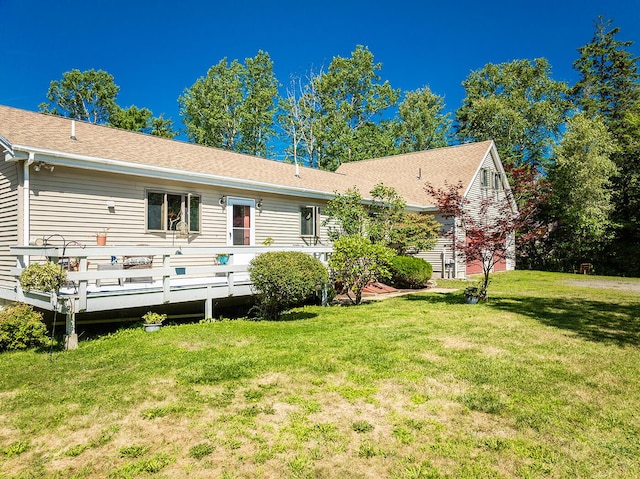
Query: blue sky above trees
point(156, 49)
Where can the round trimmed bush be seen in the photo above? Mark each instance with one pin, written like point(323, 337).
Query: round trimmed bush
point(21, 328)
point(284, 279)
point(410, 272)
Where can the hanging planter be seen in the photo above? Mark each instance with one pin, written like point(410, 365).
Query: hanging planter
point(46, 277)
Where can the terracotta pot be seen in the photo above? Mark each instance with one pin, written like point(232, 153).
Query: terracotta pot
point(101, 240)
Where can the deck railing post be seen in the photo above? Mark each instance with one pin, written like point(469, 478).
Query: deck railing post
point(166, 279)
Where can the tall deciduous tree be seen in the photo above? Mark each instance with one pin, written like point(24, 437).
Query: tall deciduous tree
point(298, 118)
point(259, 106)
point(581, 178)
point(233, 106)
point(518, 105)
point(351, 99)
point(89, 96)
point(423, 124)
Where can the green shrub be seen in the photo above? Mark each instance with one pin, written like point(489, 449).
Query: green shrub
point(21, 328)
point(410, 272)
point(356, 262)
point(283, 279)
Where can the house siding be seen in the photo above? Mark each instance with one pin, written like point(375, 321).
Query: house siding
point(476, 194)
point(9, 214)
point(73, 203)
point(442, 249)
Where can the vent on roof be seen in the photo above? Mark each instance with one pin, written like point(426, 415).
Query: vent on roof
point(73, 130)
point(419, 173)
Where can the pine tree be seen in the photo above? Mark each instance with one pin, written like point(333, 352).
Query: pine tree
point(609, 88)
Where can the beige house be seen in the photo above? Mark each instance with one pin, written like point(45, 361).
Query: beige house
point(63, 181)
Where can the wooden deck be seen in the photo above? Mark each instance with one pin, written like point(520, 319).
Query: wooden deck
point(176, 275)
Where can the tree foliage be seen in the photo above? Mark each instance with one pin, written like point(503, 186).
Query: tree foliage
point(356, 262)
point(581, 178)
point(346, 215)
point(423, 123)
point(609, 88)
point(608, 85)
point(89, 96)
point(233, 107)
point(350, 100)
point(382, 219)
point(518, 105)
point(142, 120)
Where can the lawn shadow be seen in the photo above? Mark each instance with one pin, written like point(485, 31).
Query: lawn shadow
point(593, 320)
point(297, 316)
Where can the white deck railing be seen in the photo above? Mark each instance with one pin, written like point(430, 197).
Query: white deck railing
point(177, 274)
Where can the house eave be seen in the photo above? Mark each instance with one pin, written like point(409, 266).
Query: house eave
point(71, 160)
point(7, 148)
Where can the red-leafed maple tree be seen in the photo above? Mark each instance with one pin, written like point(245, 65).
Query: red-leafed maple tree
point(488, 227)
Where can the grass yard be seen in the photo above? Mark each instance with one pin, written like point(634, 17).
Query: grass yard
point(541, 382)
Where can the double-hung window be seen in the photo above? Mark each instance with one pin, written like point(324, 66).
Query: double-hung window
point(309, 217)
point(484, 178)
point(171, 211)
point(497, 182)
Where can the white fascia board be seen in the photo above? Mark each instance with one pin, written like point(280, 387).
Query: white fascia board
point(126, 168)
point(475, 173)
point(503, 175)
point(7, 147)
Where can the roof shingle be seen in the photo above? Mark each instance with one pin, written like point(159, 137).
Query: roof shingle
point(407, 173)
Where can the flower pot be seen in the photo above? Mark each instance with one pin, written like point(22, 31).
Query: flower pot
point(151, 327)
point(471, 299)
point(101, 240)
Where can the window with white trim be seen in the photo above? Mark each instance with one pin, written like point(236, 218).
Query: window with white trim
point(309, 216)
point(497, 182)
point(484, 178)
point(169, 211)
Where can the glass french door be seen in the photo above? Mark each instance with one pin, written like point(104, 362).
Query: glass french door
point(240, 222)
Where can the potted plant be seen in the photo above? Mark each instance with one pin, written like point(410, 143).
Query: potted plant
point(223, 258)
point(472, 294)
point(101, 237)
point(153, 321)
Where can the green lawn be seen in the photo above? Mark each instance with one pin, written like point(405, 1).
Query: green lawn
point(541, 382)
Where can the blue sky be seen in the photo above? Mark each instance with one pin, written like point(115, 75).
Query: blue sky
point(156, 49)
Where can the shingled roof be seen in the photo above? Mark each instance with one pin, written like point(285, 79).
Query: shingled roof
point(103, 147)
point(409, 173)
